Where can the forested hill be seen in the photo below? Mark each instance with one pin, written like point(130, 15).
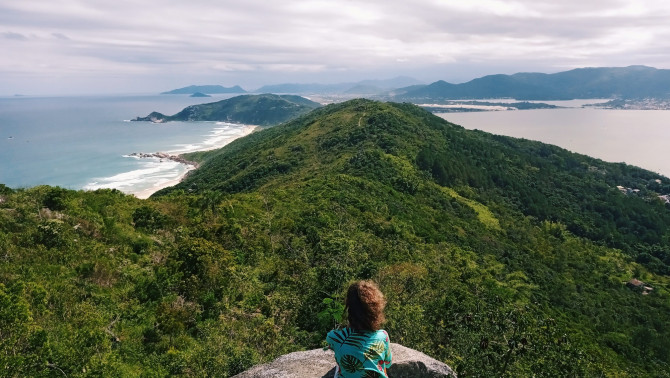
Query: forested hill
point(498, 256)
point(536, 179)
point(263, 110)
point(634, 82)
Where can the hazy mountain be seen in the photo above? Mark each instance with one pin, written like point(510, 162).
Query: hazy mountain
point(206, 89)
point(304, 88)
point(622, 82)
point(363, 89)
point(339, 88)
point(265, 109)
point(397, 82)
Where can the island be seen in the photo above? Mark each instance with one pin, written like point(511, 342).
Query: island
point(199, 94)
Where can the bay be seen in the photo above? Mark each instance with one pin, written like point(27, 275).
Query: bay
point(636, 137)
point(85, 142)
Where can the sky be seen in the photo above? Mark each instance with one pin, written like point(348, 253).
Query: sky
point(148, 46)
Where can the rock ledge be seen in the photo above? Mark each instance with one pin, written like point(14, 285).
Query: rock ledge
point(319, 363)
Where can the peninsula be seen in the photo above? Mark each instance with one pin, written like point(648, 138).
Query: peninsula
point(262, 110)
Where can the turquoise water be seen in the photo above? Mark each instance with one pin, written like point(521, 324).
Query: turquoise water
point(84, 142)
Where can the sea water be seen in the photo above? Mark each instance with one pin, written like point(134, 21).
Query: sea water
point(86, 142)
point(637, 137)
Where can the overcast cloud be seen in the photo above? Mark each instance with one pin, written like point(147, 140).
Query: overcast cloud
point(95, 46)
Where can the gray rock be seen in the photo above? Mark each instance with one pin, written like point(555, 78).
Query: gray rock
point(407, 363)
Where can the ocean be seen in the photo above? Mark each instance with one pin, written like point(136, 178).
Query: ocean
point(636, 137)
point(86, 142)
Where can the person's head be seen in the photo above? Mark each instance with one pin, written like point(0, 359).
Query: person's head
point(365, 306)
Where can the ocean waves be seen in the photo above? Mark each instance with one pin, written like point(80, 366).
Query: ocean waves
point(151, 173)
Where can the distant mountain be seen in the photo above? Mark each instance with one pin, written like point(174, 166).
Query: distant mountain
point(364, 90)
point(617, 82)
point(207, 89)
point(397, 82)
point(265, 110)
point(305, 88)
point(341, 88)
point(395, 93)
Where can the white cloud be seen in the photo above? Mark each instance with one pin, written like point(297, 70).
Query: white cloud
point(156, 42)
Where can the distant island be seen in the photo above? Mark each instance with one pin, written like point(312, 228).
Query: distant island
point(206, 89)
point(199, 94)
point(263, 110)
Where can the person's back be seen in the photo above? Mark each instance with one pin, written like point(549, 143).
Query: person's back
point(362, 349)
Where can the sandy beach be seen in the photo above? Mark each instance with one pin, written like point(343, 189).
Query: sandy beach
point(146, 193)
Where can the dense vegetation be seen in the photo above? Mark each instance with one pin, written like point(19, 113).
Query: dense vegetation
point(499, 256)
point(602, 82)
point(264, 110)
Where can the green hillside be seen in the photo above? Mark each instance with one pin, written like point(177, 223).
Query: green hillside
point(264, 110)
point(498, 256)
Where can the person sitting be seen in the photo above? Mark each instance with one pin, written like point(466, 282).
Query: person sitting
point(362, 349)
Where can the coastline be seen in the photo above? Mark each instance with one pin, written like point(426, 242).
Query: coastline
point(146, 193)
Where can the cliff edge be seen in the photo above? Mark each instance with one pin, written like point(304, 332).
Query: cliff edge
point(407, 363)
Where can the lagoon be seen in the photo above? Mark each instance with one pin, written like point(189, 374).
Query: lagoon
point(637, 137)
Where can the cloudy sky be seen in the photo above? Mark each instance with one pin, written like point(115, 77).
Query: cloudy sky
point(126, 46)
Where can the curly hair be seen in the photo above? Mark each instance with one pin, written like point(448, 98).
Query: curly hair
point(365, 305)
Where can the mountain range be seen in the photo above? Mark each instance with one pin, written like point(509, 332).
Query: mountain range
point(361, 87)
point(632, 82)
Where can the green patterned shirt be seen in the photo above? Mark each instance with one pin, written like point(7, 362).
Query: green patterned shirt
point(360, 354)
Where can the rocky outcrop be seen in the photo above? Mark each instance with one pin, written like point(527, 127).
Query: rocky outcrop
point(163, 155)
point(154, 117)
point(407, 363)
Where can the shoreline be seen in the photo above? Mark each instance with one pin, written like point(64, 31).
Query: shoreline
point(146, 193)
